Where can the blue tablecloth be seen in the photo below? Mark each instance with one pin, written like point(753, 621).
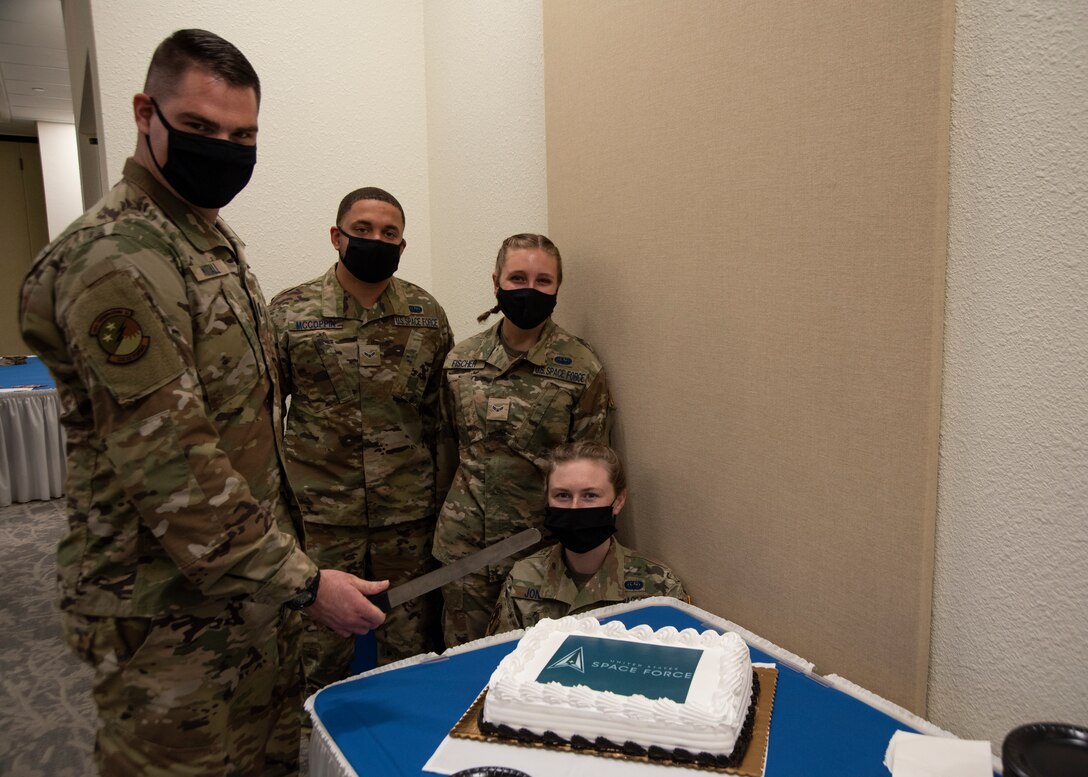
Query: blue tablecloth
point(33, 373)
point(389, 724)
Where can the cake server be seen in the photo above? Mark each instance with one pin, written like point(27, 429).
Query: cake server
point(399, 594)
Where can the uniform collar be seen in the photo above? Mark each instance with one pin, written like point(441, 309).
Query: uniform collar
point(196, 229)
point(604, 586)
point(337, 303)
point(495, 354)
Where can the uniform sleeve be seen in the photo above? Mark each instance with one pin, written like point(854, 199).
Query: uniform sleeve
point(435, 422)
point(671, 586)
point(506, 616)
point(446, 453)
point(278, 313)
point(152, 424)
point(592, 417)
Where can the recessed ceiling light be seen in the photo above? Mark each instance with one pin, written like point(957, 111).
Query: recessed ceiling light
point(37, 89)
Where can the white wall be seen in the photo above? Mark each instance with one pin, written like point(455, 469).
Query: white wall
point(440, 103)
point(343, 106)
point(1010, 615)
point(60, 175)
point(485, 108)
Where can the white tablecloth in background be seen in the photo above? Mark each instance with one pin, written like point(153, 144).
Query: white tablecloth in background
point(31, 446)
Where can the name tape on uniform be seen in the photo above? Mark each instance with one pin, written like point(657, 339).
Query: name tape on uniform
point(431, 322)
point(319, 323)
point(465, 364)
point(570, 376)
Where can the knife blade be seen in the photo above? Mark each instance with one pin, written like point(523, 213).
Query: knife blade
point(391, 597)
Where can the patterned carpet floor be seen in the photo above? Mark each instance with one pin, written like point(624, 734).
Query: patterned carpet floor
point(47, 719)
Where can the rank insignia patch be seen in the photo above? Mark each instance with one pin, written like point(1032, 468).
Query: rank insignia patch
point(370, 355)
point(498, 409)
point(120, 336)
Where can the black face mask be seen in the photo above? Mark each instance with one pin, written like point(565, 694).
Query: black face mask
point(205, 172)
point(580, 529)
point(526, 308)
point(371, 261)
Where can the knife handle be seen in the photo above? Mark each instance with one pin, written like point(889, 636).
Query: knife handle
point(381, 601)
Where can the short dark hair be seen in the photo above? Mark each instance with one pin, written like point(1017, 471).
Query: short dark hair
point(187, 49)
point(368, 193)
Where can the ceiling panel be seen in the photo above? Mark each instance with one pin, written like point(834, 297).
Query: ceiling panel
point(34, 80)
point(31, 34)
point(48, 75)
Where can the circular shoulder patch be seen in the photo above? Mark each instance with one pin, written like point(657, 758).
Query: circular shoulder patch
point(120, 336)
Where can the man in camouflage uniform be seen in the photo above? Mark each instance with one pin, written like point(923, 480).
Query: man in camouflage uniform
point(362, 355)
point(542, 586)
point(507, 411)
point(181, 571)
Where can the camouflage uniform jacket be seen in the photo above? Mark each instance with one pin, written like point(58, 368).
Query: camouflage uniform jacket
point(163, 353)
point(540, 586)
point(362, 428)
point(506, 415)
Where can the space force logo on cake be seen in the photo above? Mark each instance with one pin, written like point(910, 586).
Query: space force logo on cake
point(625, 668)
point(683, 696)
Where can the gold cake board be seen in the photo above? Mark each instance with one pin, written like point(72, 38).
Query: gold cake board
point(751, 766)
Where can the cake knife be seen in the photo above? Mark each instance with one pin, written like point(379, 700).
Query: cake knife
point(391, 597)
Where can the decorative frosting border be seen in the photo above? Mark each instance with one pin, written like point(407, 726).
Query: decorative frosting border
point(713, 622)
point(678, 756)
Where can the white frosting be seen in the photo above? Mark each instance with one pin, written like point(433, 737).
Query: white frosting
point(709, 719)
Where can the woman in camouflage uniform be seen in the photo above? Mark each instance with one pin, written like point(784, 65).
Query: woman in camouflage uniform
point(588, 568)
point(510, 395)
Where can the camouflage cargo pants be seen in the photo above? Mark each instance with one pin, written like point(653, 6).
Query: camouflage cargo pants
point(214, 692)
point(397, 553)
point(467, 607)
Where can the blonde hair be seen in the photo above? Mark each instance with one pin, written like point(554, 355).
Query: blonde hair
point(525, 240)
point(577, 451)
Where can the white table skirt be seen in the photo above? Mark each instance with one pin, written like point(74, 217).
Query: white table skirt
point(31, 446)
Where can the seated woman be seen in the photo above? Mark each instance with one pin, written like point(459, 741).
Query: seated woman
point(588, 568)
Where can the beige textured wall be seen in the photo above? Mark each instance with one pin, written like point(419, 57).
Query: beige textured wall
point(1010, 611)
point(751, 202)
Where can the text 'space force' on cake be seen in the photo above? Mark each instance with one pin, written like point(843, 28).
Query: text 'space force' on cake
point(679, 695)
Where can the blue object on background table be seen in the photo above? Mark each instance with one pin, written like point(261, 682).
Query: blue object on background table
point(390, 723)
point(33, 373)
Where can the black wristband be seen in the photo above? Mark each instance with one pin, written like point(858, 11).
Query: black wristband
point(308, 595)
